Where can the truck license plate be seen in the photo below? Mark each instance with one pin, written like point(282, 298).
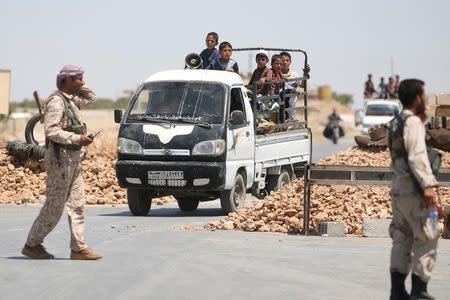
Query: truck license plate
point(165, 175)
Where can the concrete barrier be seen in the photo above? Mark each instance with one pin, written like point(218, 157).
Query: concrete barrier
point(328, 228)
point(376, 227)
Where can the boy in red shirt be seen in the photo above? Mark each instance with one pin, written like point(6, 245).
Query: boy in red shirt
point(260, 73)
point(275, 74)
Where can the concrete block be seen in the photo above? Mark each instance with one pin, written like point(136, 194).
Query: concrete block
point(443, 99)
point(376, 227)
point(328, 228)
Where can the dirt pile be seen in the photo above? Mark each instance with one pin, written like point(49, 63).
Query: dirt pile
point(371, 157)
point(20, 184)
point(282, 211)
point(24, 182)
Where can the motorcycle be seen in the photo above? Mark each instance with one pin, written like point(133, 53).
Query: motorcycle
point(333, 131)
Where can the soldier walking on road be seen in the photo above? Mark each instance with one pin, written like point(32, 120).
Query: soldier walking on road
point(414, 245)
point(65, 135)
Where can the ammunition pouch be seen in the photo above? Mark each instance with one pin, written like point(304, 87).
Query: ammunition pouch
point(70, 147)
point(76, 128)
point(397, 147)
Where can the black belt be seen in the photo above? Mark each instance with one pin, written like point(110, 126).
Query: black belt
point(69, 147)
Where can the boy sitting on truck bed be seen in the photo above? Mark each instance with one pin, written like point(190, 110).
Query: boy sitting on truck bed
point(275, 74)
point(225, 62)
point(268, 116)
point(260, 73)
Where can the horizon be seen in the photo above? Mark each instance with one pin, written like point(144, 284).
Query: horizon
point(115, 42)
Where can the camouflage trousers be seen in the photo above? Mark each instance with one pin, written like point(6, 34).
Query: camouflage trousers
point(413, 247)
point(64, 187)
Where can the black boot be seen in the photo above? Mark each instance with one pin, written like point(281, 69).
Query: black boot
point(419, 289)
point(398, 291)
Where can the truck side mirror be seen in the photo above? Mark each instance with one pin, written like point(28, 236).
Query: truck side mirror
point(117, 115)
point(237, 117)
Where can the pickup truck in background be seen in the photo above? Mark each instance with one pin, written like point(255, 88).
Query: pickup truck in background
point(193, 134)
point(379, 111)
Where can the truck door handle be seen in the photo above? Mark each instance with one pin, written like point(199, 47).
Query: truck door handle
point(247, 133)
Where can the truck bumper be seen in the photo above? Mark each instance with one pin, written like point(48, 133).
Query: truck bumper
point(171, 175)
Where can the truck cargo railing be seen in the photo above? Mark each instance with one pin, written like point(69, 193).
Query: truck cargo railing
point(350, 175)
point(282, 95)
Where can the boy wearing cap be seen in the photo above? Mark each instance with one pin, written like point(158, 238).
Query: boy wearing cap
point(65, 135)
point(260, 73)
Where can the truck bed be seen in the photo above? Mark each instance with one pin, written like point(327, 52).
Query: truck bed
point(281, 148)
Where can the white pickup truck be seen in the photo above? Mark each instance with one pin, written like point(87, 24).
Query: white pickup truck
point(192, 134)
point(379, 111)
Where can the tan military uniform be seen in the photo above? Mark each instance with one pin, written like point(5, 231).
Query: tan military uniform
point(414, 247)
point(64, 186)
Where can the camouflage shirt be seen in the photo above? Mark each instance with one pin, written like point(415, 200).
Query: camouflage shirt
point(55, 118)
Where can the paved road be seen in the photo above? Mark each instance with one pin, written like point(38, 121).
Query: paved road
point(152, 258)
point(324, 147)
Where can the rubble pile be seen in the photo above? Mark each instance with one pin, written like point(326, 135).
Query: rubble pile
point(370, 157)
point(24, 182)
point(20, 184)
point(282, 211)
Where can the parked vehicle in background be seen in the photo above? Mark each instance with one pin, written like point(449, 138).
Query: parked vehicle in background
point(379, 111)
point(359, 115)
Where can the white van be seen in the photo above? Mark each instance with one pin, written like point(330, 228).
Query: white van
point(192, 134)
point(379, 111)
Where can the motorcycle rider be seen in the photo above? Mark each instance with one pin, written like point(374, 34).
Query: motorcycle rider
point(333, 130)
point(334, 117)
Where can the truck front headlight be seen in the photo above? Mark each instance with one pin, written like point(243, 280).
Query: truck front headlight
point(214, 147)
point(127, 146)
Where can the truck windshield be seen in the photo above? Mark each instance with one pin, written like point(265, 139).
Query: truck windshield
point(381, 110)
point(194, 101)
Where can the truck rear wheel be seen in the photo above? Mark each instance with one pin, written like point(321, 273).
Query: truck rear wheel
point(187, 203)
point(230, 200)
point(276, 182)
point(139, 201)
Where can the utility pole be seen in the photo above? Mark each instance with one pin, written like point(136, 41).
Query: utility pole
point(392, 66)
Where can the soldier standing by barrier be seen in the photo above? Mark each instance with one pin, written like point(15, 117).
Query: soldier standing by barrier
point(414, 235)
point(65, 136)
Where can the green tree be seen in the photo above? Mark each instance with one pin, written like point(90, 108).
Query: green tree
point(344, 99)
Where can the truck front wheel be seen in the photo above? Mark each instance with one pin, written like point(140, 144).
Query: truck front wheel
point(187, 203)
point(139, 201)
point(230, 200)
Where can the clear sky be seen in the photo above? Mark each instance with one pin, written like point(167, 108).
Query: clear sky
point(121, 43)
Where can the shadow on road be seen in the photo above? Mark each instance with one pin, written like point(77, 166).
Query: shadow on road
point(171, 212)
point(31, 259)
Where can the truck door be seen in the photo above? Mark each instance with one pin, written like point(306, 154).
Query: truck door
point(240, 141)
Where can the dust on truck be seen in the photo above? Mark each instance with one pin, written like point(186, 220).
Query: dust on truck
point(194, 134)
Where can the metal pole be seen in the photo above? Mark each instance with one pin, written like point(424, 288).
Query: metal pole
point(306, 196)
point(305, 96)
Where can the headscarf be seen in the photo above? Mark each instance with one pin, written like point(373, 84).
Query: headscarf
point(68, 71)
